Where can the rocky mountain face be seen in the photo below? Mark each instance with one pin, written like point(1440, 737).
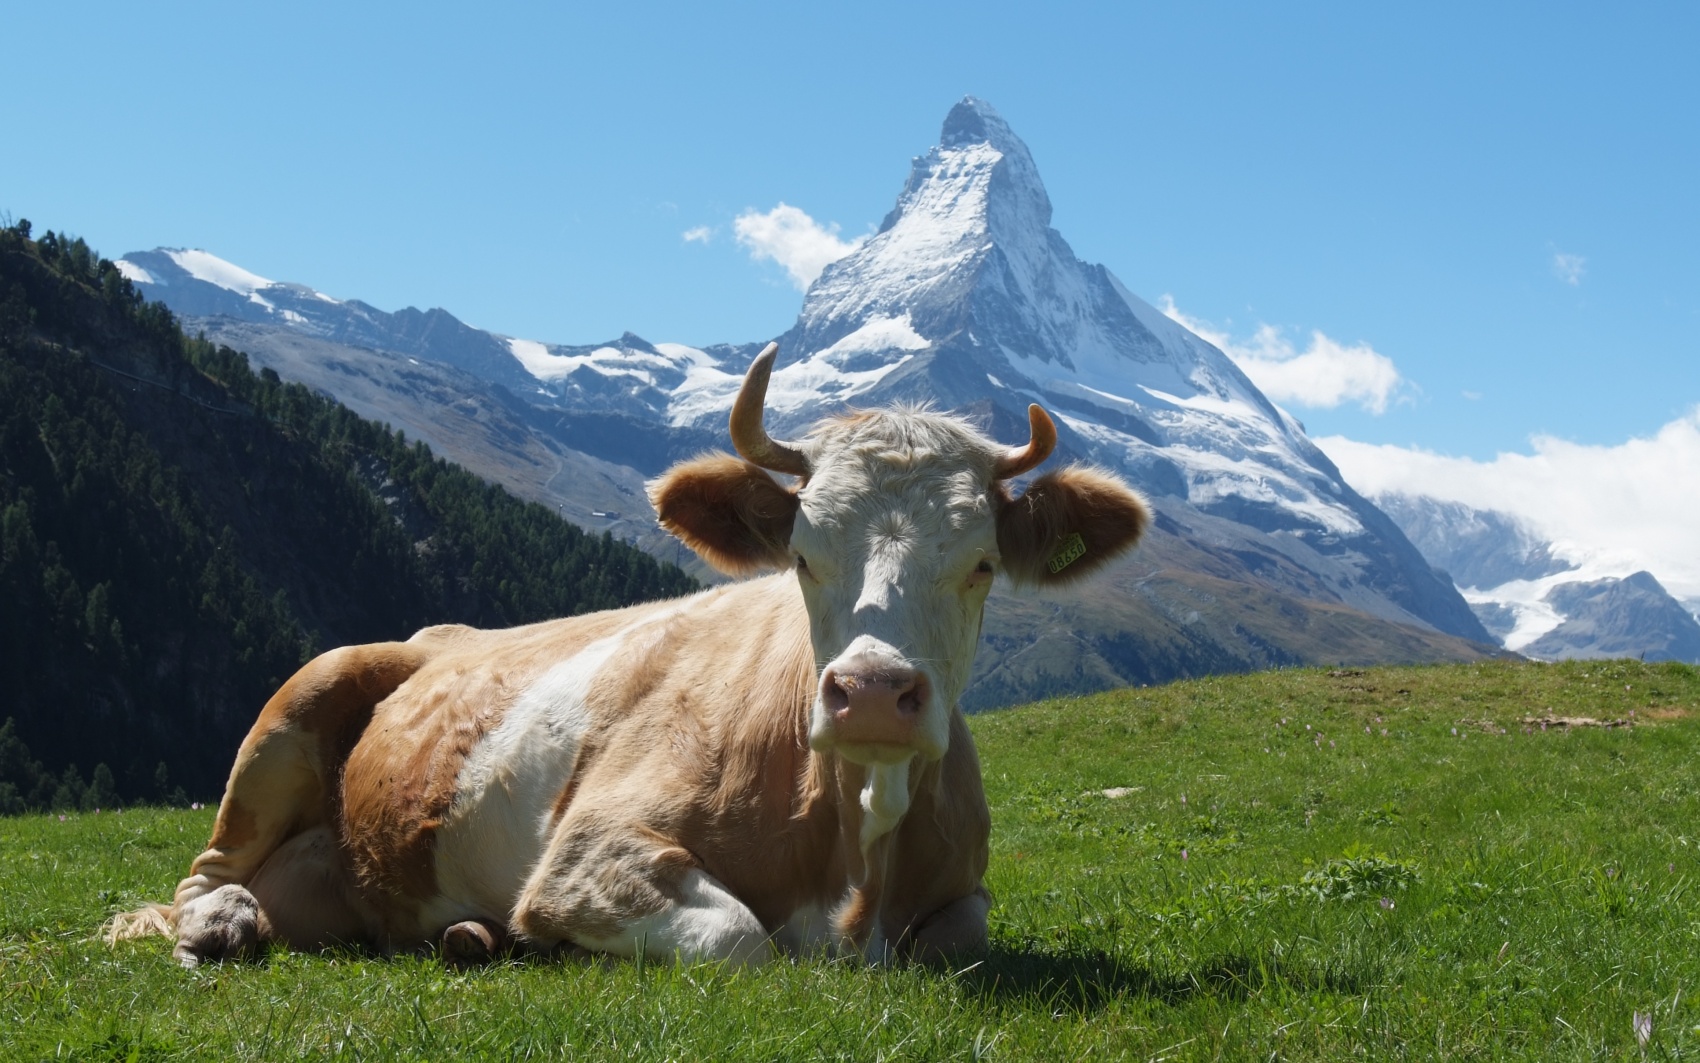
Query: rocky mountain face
point(1477, 548)
point(1537, 603)
point(966, 298)
point(1629, 617)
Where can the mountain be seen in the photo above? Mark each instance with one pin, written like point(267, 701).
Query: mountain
point(1629, 617)
point(1537, 603)
point(179, 533)
point(1475, 547)
point(966, 298)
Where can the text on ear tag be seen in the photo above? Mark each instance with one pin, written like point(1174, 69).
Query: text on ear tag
point(1072, 550)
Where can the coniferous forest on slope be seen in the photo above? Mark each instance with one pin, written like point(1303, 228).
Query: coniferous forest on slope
point(178, 534)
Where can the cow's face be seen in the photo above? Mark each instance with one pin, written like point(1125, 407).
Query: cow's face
point(897, 526)
point(895, 546)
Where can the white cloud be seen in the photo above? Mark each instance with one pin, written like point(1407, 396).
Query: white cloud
point(1568, 268)
point(796, 241)
point(702, 234)
point(1628, 507)
point(1323, 375)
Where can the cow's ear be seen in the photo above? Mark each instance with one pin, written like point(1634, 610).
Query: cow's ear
point(1067, 524)
point(730, 512)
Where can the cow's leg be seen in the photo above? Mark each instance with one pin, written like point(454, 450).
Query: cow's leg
point(277, 785)
point(622, 891)
point(307, 896)
point(958, 929)
point(302, 895)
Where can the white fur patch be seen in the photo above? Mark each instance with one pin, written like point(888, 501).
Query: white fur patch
point(506, 791)
point(885, 798)
point(806, 931)
point(710, 925)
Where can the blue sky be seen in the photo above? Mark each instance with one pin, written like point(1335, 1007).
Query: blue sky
point(1499, 199)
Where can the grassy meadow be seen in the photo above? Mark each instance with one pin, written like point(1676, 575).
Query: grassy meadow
point(1387, 863)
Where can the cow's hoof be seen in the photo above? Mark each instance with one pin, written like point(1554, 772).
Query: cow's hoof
point(217, 926)
point(473, 943)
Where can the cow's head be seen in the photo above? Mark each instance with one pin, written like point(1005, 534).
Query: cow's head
point(897, 525)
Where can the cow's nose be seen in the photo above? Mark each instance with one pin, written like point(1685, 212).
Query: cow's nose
point(875, 690)
point(874, 703)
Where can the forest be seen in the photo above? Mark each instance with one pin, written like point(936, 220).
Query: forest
point(178, 534)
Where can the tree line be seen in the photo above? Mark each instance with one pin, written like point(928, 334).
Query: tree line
point(179, 533)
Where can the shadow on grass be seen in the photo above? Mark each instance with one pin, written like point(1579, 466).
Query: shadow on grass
point(1091, 981)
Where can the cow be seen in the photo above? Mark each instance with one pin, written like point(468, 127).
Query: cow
point(771, 766)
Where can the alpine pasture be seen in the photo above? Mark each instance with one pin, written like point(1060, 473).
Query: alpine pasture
point(1492, 861)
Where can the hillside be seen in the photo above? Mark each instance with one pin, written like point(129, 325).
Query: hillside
point(1317, 864)
point(179, 533)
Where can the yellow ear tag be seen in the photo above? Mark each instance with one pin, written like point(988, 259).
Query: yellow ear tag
point(1072, 550)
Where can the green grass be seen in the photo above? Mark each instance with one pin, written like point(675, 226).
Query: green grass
point(1276, 881)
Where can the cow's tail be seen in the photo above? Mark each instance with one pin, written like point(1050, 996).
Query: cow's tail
point(146, 921)
point(284, 778)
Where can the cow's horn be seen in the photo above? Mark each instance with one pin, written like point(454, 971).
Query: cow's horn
point(748, 435)
point(1018, 460)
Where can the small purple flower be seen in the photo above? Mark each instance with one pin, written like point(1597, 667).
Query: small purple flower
point(1387, 904)
point(1183, 854)
point(61, 818)
point(1643, 1028)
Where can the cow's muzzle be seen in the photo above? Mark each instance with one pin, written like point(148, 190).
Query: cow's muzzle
point(874, 710)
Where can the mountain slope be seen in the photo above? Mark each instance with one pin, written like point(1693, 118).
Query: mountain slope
point(178, 534)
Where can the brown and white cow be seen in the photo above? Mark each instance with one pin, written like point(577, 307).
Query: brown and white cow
point(779, 762)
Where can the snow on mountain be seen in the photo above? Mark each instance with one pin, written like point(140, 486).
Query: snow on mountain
point(216, 271)
point(994, 303)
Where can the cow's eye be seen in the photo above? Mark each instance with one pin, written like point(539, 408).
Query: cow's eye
point(802, 564)
point(984, 567)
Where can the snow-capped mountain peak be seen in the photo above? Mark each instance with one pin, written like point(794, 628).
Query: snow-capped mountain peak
point(214, 286)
